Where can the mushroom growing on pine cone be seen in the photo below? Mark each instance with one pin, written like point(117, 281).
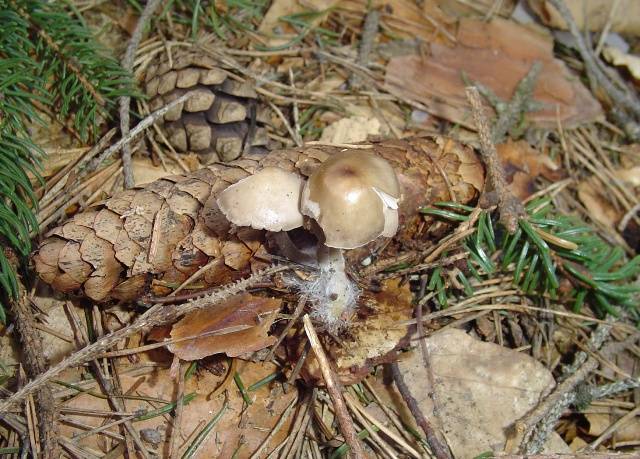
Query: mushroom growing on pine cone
point(222, 120)
point(215, 222)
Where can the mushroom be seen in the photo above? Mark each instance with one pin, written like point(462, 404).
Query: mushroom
point(268, 199)
point(353, 199)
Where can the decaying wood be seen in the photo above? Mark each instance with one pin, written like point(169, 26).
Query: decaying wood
point(150, 240)
point(35, 364)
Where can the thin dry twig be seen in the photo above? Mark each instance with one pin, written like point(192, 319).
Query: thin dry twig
point(177, 420)
point(510, 207)
point(334, 389)
point(439, 450)
point(620, 98)
point(111, 390)
point(35, 363)
point(524, 437)
point(125, 101)
point(369, 32)
point(159, 314)
point(138, 129)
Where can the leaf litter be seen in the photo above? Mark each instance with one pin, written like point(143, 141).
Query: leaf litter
point(493, 386)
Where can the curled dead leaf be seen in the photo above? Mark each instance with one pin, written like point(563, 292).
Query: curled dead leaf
point(523, 164)
point(238, 326)
point(595, 199)
point(372, 336)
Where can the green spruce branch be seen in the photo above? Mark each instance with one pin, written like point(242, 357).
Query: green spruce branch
point(50, 58)
point(545, 249)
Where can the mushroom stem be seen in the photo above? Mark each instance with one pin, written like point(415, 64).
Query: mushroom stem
point(338, 293)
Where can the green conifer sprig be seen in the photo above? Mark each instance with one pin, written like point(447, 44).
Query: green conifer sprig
point(546, 248)
point(47, 56)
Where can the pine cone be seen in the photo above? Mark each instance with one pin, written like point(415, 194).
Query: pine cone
point(153, 238)
point(217, 121)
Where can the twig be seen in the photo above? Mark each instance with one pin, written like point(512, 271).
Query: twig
point(157, 315)
point(334, 389)
point(607, 390)
point(177, 420)
point(595, 73)
point(302, 301)
point(519, 104)
point(439, 450)
point(125, 101)
point(612, 428)
point(369, 32)
point(109, 389)
point(35, 364)
point(525, 437)
point(276, 428)
point(510, 207)
point(141, 126)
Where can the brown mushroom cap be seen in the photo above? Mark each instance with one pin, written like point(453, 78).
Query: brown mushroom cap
point(268, 199)
point(354, 198)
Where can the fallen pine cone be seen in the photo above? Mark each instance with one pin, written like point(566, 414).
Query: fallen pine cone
point(219, 119)
point(150, 240)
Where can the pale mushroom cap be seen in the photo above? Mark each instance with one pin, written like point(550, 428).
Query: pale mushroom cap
point(268, 199)
point(354, 198)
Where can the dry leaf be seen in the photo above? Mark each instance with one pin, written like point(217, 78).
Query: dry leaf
point(241, 322)
point(267, 407)
point(595, 199)
point(480, 389)
point(483, 7)
point(351, 130)
point(577, 444)
point(280, 31)
point(619, 58)
point(144, 171)
point(599, 422)
point(593, 14)
point(436, 79)
point(407, 19)
point(523, 164)
point(630, 176)
point(371, 337)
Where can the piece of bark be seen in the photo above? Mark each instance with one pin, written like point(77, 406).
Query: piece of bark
point(497, 55)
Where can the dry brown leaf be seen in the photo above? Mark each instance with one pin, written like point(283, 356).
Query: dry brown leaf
point(407, 19)
point(577, 444)
point(229, 433)
point(371, 337)
point(630, 176)
point(242, 323)
point(144, 171)
point(280, 31)
point(622, 59)
point(593, 14)
point(436, 79)
point(599, 422)
point(595, 199)
point(484, 7)
point(351, 130)
point(480, 389)
point(523, 164)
